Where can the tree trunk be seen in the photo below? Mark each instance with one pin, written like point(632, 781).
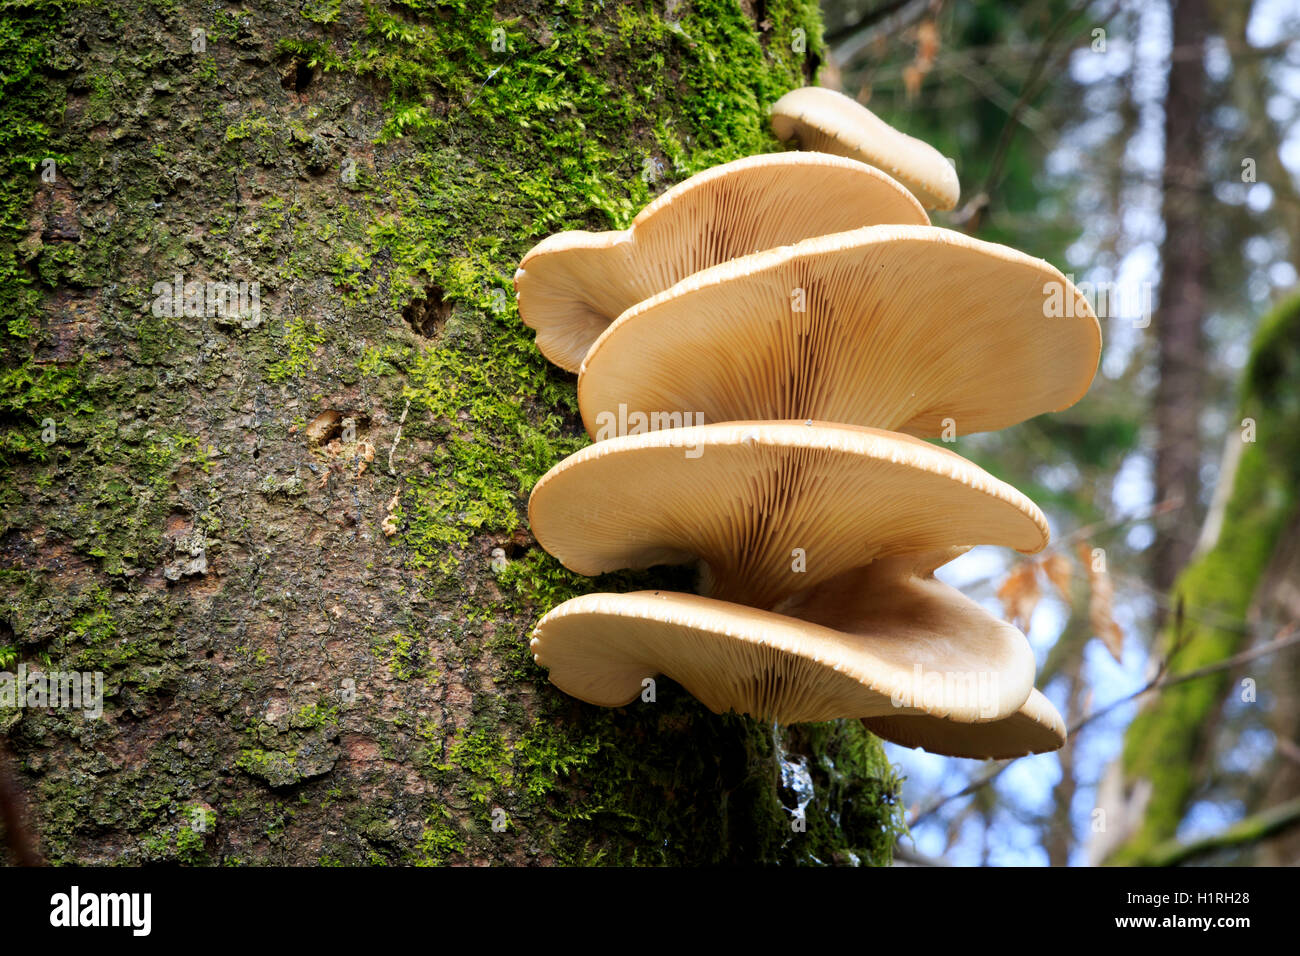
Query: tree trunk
point(1240, 589)
point(271, 524)
point(1178, 323)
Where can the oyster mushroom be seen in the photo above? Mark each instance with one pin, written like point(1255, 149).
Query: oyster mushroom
point(898, 327)
point(573, 284)
point(600, 648)
point(770, 508)
point(830, 122)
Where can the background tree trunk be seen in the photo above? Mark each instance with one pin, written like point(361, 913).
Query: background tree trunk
point(1180, 394)
point(273, 533)
point(1245, 575)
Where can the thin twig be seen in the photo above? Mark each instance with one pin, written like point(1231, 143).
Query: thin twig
point(1287, 637)
point(912, 857)
point(398, 437)
point(972, 214)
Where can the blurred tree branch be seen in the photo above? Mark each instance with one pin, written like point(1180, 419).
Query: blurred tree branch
point(1286, 638)
point(1244, 832)
point(888, 19)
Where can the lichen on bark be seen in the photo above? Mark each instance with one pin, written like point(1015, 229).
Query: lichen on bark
point(273, 533)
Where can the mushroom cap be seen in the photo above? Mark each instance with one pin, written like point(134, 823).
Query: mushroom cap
point(600, 647)
point(573, 284)
point(1035, 728)
point(830, 122)
point(742, 496)
point(903, 327)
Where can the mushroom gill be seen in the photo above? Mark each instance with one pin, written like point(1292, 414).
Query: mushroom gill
point(770, 508)
point(898, 327)
point(573, 284)
point(601, 648)
point(817, 521)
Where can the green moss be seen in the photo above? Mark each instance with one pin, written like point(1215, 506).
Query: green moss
point(299, 342)
point(34, 398)
point(191, 846)
point(590, 111)
point(399, 649)
point(1217, 589)
point(313, 716)
point(622, 773)
point(439, 841)
point(480, 761)
point(26, 104)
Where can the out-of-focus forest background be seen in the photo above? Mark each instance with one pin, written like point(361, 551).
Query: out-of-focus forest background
point(1152, 151)
point(278, 540)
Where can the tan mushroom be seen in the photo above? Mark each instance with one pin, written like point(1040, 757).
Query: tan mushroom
point(1035, 728)
point(770, 508)
point(573, 284)
point(733, 299)
point(830, 122)
point(602, 648)
point(911, 328)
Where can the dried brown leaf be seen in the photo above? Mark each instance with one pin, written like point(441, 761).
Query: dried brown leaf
point(1019, 594)
point(912, 76)
point(927, 44)
point(1101, 599)
point(1056, 567)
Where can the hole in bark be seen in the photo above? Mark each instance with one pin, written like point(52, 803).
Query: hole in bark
point(210, 654)
point(298, 77)
point(427, 315)
point(517, 545)
point(345, 424)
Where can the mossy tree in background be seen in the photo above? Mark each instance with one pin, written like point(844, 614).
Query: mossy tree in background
point(1238, 593)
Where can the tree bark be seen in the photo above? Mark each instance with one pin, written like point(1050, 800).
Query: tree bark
point(1178, 322)
point(272, 529)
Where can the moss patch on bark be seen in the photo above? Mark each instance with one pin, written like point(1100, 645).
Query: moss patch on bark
point(271, 530)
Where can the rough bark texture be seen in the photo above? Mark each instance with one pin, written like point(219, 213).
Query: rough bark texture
point(1178, 323)
point(209, 526)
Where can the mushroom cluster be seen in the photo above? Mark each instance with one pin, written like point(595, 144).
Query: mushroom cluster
point(760, 357)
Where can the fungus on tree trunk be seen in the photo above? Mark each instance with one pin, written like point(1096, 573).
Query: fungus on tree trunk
point(573, 284)
point(829, 122)
point(816, 515)
point(897, 327)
